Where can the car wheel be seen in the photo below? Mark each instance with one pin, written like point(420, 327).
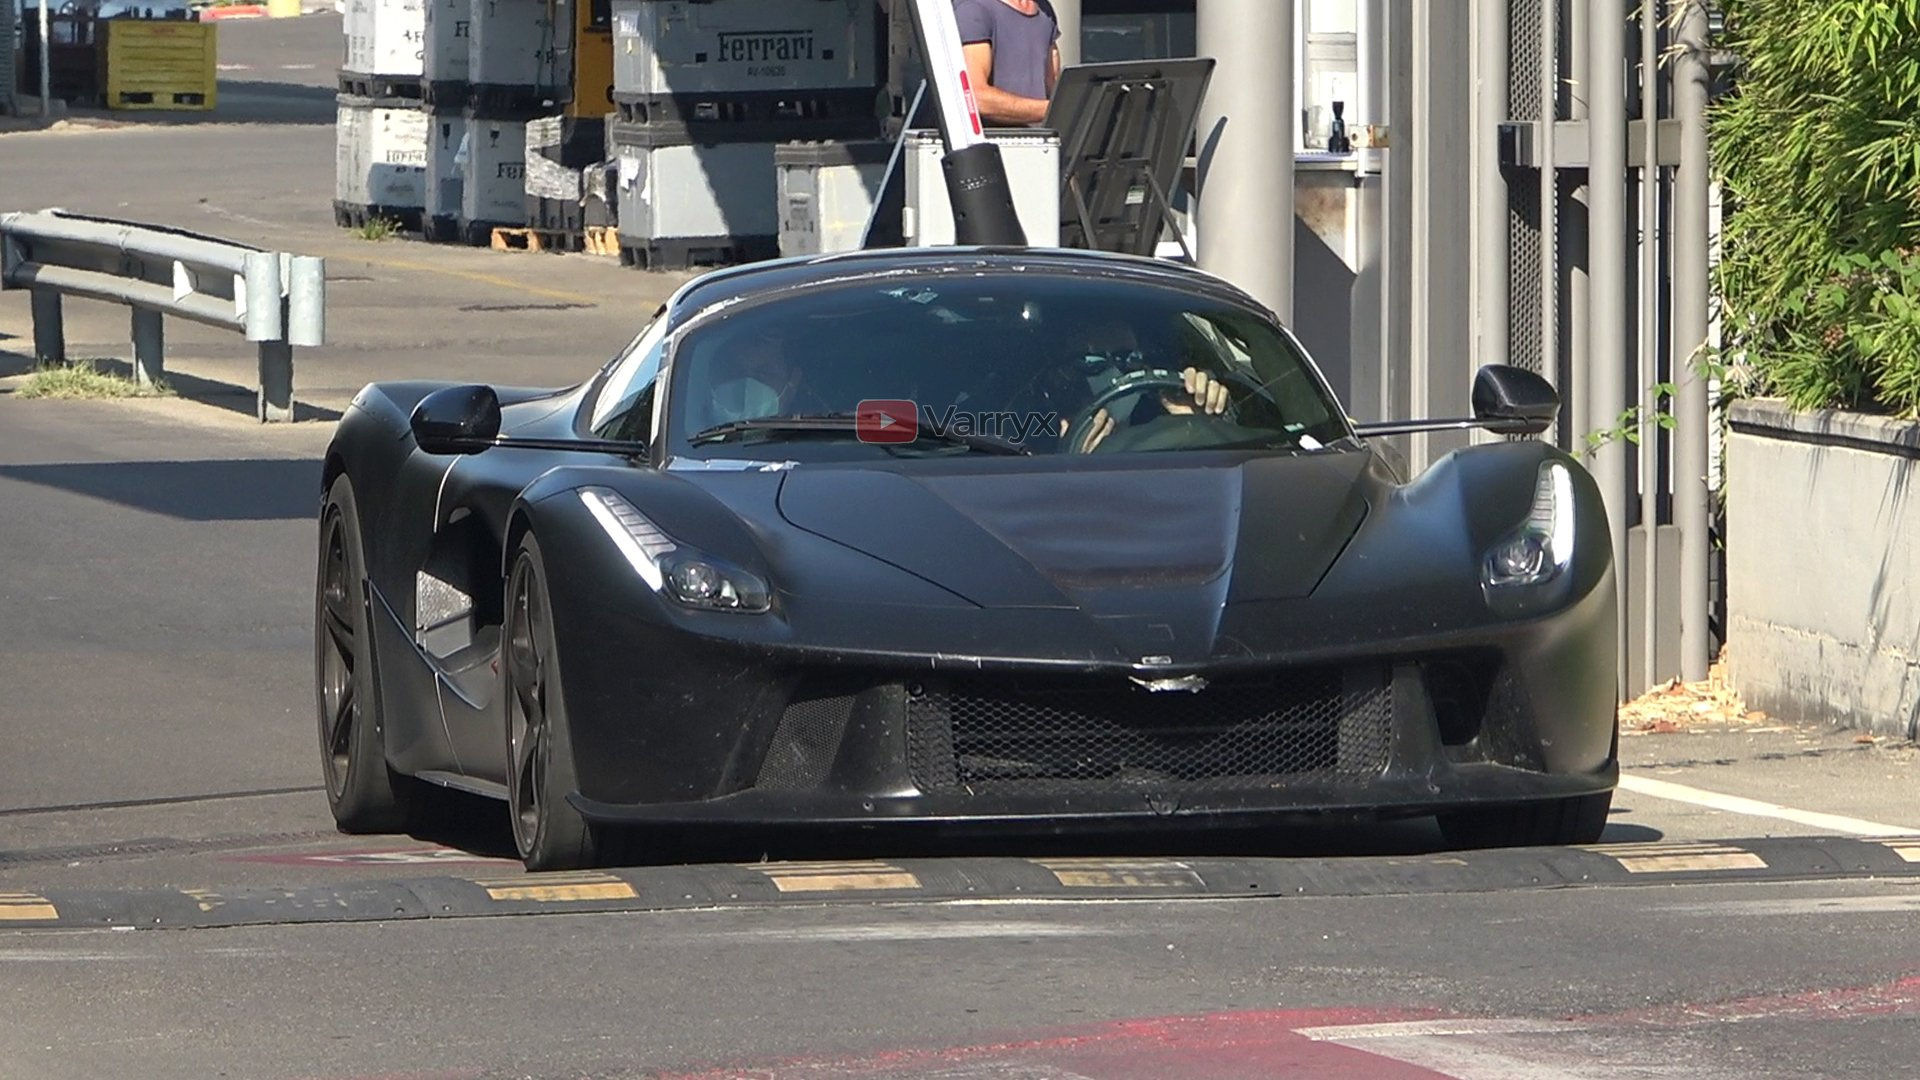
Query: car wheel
point(549, 833)
point(364, 794)
point(1547, 824)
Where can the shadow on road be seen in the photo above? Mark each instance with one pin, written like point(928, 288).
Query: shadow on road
point(479, 826)
point(271, 489)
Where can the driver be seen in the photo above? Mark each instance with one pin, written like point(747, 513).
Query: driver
point(1109, 352)
point(752, 381)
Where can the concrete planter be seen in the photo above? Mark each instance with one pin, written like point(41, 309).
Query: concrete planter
point(1823, 566)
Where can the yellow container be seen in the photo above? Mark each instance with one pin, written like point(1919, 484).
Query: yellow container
point(283, 9)
point(592, 59)
point(592, 74)
point(160, 64)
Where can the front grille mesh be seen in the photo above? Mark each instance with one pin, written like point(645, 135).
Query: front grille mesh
point(994, 735)
point(806, 742)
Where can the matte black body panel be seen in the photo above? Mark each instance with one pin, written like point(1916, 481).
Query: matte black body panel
point(893, 579)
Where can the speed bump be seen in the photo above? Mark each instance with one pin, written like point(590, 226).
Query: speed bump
point(560, 888)
point(26, 907)
point(1123, 873)
point(1908, 848)
point(1674, 858)
point(815, 877)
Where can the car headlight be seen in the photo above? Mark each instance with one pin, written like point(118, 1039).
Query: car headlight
point(690, 577)
point(1542, 546)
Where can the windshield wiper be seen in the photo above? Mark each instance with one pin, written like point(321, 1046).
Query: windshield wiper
point(851, 423)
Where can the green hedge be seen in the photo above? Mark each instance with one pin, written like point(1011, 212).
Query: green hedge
point(1819, 151)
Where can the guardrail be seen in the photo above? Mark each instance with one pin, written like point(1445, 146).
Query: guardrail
point(277, 300)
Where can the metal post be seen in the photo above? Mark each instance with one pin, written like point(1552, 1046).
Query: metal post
point(307, 300)
point(49, 329)
point(149, 347)
point(1246, 148)
point(1574, 228)
point(1691, 434)
point(46, 63)
point(275, 403)
point(1550, 197)
point(1648, 346)
point(1607, 265)
point(1492, 300)
point(1068, 12)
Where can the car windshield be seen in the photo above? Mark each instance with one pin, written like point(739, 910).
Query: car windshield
point(952, 364)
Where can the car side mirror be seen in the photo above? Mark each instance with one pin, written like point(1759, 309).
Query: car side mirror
point(1513, 400)
point(457, 420)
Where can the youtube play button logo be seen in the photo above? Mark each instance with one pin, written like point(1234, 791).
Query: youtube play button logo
point(887, 421)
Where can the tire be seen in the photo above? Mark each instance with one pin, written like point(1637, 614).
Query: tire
point(363, 792)
point(1547, 824)
point(548, 832)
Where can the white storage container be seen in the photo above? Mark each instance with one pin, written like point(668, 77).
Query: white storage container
point(512, 44)
point(380, 157)
point(449, 28)
point(493, 173)
point(827, 194)
point(676, 197)
point(446, 131)
point(728, 46)
point(386, 37)
point(1033, 171)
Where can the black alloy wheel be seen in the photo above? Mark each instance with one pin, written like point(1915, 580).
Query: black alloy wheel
point(549, 833)
point(364, 794)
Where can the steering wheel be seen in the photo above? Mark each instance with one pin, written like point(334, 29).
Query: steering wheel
point(1126, 385)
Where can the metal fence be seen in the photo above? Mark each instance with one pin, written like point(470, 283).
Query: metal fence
point(277, 300)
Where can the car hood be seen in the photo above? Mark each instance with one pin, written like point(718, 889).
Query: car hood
point(1115, 542)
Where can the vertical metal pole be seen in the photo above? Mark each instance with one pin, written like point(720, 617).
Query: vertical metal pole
point(275, 403)
point(1691, 435)
point(49, 329)
point(1397, 296)
point(1246, 148)
point(1370, 277)
point(46, 62)
point(1648, 347)
point(1492, 301)
point(149, 347)
point(1578, 388)
point(1550, 197)
point(1068, 12)
point(1607, 264)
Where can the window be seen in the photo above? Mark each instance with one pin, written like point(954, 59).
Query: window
point(624, 408)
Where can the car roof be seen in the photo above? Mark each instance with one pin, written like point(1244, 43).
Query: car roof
point(765, 278)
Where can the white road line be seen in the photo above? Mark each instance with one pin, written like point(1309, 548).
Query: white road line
point(1430, 1028)
point(1735, 804)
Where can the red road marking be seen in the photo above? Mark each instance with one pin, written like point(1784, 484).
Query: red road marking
point(1220, 1046)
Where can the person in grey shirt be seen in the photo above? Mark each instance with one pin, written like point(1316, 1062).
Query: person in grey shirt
point(1013, 57)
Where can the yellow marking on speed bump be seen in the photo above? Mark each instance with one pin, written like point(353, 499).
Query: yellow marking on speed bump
point(1122, 873)
point(207, 899)
point(836, 876)
point(1674, 858)
point(560, 888)
point(26, 907)
point(1909, 850)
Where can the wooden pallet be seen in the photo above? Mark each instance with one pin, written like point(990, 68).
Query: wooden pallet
point(603, 240)
point(535, 240)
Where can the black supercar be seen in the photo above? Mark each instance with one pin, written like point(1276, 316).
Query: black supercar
point(1040, 540)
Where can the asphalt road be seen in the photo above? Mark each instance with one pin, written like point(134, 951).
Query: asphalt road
point(159, 771)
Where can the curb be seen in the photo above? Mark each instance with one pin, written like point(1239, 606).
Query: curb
point(656, 889)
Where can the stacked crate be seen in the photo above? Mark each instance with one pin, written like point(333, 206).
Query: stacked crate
point(565, 186)
point(514, 75)
point(704, 92)
point(381, 135)
point(445, 57)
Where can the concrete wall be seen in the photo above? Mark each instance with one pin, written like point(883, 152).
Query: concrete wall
point(1823, 566)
